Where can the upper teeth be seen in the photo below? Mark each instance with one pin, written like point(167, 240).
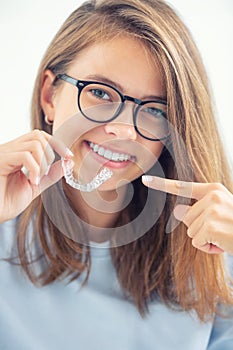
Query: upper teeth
point(106, 153)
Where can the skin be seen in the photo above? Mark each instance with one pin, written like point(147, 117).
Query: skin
point(111, 61)
point(209, 220)
point(106, 60)
point(35, 151)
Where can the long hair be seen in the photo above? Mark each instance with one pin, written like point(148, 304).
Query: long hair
point(156, 265)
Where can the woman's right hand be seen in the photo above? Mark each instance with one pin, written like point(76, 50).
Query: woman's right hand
point(35, 152)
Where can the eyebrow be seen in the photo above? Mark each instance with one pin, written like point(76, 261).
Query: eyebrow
point(103, 79)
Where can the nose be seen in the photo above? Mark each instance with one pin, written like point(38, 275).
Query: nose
point(122, 127)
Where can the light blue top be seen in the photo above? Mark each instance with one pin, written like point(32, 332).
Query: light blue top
point(97, 317)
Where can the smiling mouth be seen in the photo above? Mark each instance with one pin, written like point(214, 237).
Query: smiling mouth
point(110, 155)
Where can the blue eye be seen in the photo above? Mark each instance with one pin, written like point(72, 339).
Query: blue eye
point(156, 112)
point(101, 94)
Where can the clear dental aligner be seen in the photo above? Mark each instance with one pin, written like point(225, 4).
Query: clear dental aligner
point(98, 180)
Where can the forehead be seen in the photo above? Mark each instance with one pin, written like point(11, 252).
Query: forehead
point(125, 60)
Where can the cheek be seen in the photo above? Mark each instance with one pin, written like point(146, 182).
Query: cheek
point(150, 153)
point(65, 104)
point(157, 150)
point(59, 121)
point(153, 149)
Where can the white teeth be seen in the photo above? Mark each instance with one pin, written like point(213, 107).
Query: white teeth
point(106, 153)
point(96, 147)
point(101, 151)
point(115, 156)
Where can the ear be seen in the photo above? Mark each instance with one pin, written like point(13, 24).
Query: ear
point(47, 94)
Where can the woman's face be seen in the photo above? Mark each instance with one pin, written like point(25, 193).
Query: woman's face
point(125, 64)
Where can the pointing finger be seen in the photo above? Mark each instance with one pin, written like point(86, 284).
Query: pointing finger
point(181, 188)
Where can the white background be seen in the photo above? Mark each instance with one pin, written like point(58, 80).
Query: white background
point(27, 27)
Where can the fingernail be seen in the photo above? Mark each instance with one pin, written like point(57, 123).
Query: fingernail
point(70, 164)
point(37, 180)
point(147, 178)
point(47, 171)
point(69, 153)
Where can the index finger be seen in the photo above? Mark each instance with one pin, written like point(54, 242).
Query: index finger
point(185, 189)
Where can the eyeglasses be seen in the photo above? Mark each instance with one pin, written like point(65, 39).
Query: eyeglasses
point(102, 103)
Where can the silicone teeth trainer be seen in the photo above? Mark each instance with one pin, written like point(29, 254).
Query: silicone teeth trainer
point(98, 180)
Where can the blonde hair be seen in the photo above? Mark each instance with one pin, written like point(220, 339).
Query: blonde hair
point(186, 276)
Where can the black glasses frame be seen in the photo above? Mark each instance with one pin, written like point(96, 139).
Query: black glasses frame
point(81, 84)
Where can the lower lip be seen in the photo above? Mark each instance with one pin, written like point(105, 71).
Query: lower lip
point(106, 162)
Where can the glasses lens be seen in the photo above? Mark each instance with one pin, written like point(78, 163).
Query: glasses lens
point(99, 102)
point(151, 120)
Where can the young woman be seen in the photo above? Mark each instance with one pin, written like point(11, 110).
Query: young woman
point(121, 87)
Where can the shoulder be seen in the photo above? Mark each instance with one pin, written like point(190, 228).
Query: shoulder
point(222, 332)
point(8, 226)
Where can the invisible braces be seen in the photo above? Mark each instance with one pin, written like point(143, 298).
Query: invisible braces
point(98, 180)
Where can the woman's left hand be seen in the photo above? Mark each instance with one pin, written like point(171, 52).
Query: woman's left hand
point(209, 220)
